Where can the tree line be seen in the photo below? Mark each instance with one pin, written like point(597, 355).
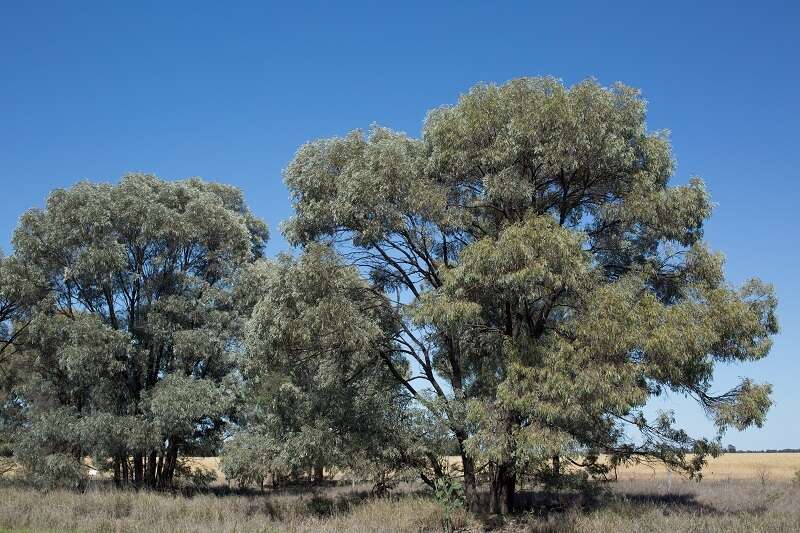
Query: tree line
point(513, 285)
point(732, 449)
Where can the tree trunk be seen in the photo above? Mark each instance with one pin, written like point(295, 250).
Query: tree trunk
point(159, 467)
point(468, 466)
point(166, 465)
point(470, 484)
point(151, 469)
point(508, 490)
point(125, 473)
point(319, 474)
point(117, 473)
point(138, 470)
point(503, 488)
point(173, 459)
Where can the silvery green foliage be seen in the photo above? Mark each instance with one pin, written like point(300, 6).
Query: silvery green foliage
point(542, 277)
point(133, 336)
point(8, 306)
point(318, 395)
point(178, 402)
point(14, 321)
point(249, 457)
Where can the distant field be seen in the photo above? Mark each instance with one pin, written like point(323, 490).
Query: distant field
point(770, 466)
point(730, 466)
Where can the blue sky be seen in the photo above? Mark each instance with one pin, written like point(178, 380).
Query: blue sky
point(228, 91)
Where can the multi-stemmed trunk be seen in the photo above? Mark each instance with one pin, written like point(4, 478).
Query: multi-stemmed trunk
point(504, 474)
point(503, 488)
point(151, 470)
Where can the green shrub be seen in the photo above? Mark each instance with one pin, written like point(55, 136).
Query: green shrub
point(56, 470)
point(449, 493)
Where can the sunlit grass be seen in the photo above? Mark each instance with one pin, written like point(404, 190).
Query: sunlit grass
point(741, 492)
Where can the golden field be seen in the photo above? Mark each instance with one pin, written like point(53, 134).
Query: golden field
point(730, 466)
point(738, 466)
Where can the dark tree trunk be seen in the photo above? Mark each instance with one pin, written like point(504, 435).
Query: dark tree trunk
point(503, 488)
point(470, 483)
point(169, 468)
point(508, 490)
point(125, 470)
point(138, 470)
point(117, 472)
point(151, 469)
point(319, 474)
point(159, 467)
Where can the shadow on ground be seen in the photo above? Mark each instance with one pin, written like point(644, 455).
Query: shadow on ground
point(545, 511)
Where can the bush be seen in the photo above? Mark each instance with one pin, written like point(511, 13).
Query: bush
point(449, 494)
point(56, 470)
point(246, 459)
point(195, 477)
point(7, 464)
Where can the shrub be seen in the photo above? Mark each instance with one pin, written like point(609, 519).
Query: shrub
point(247, 459)
point(56, 470)
point(196, 477)
point(449, 494)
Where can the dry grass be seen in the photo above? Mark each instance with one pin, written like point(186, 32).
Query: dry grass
point(627, 506)
point(741, 492)
point(334, 509)
point(709, 506)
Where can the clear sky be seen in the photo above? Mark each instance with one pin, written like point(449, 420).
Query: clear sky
point(229, 90)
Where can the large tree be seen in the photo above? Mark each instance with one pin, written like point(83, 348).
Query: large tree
point(544, 277)
point(316, 394)
point(130, 351)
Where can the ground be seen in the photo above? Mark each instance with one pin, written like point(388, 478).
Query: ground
point(740, 492)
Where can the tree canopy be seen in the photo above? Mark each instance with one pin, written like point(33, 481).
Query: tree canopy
point(316, 395)
point(517, 283)
point(130, 350)
point(544, 277)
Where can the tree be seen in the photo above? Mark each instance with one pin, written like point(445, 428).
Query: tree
point(317, 396)
point(13, 322)
point(544, 278)
point(130, 351)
